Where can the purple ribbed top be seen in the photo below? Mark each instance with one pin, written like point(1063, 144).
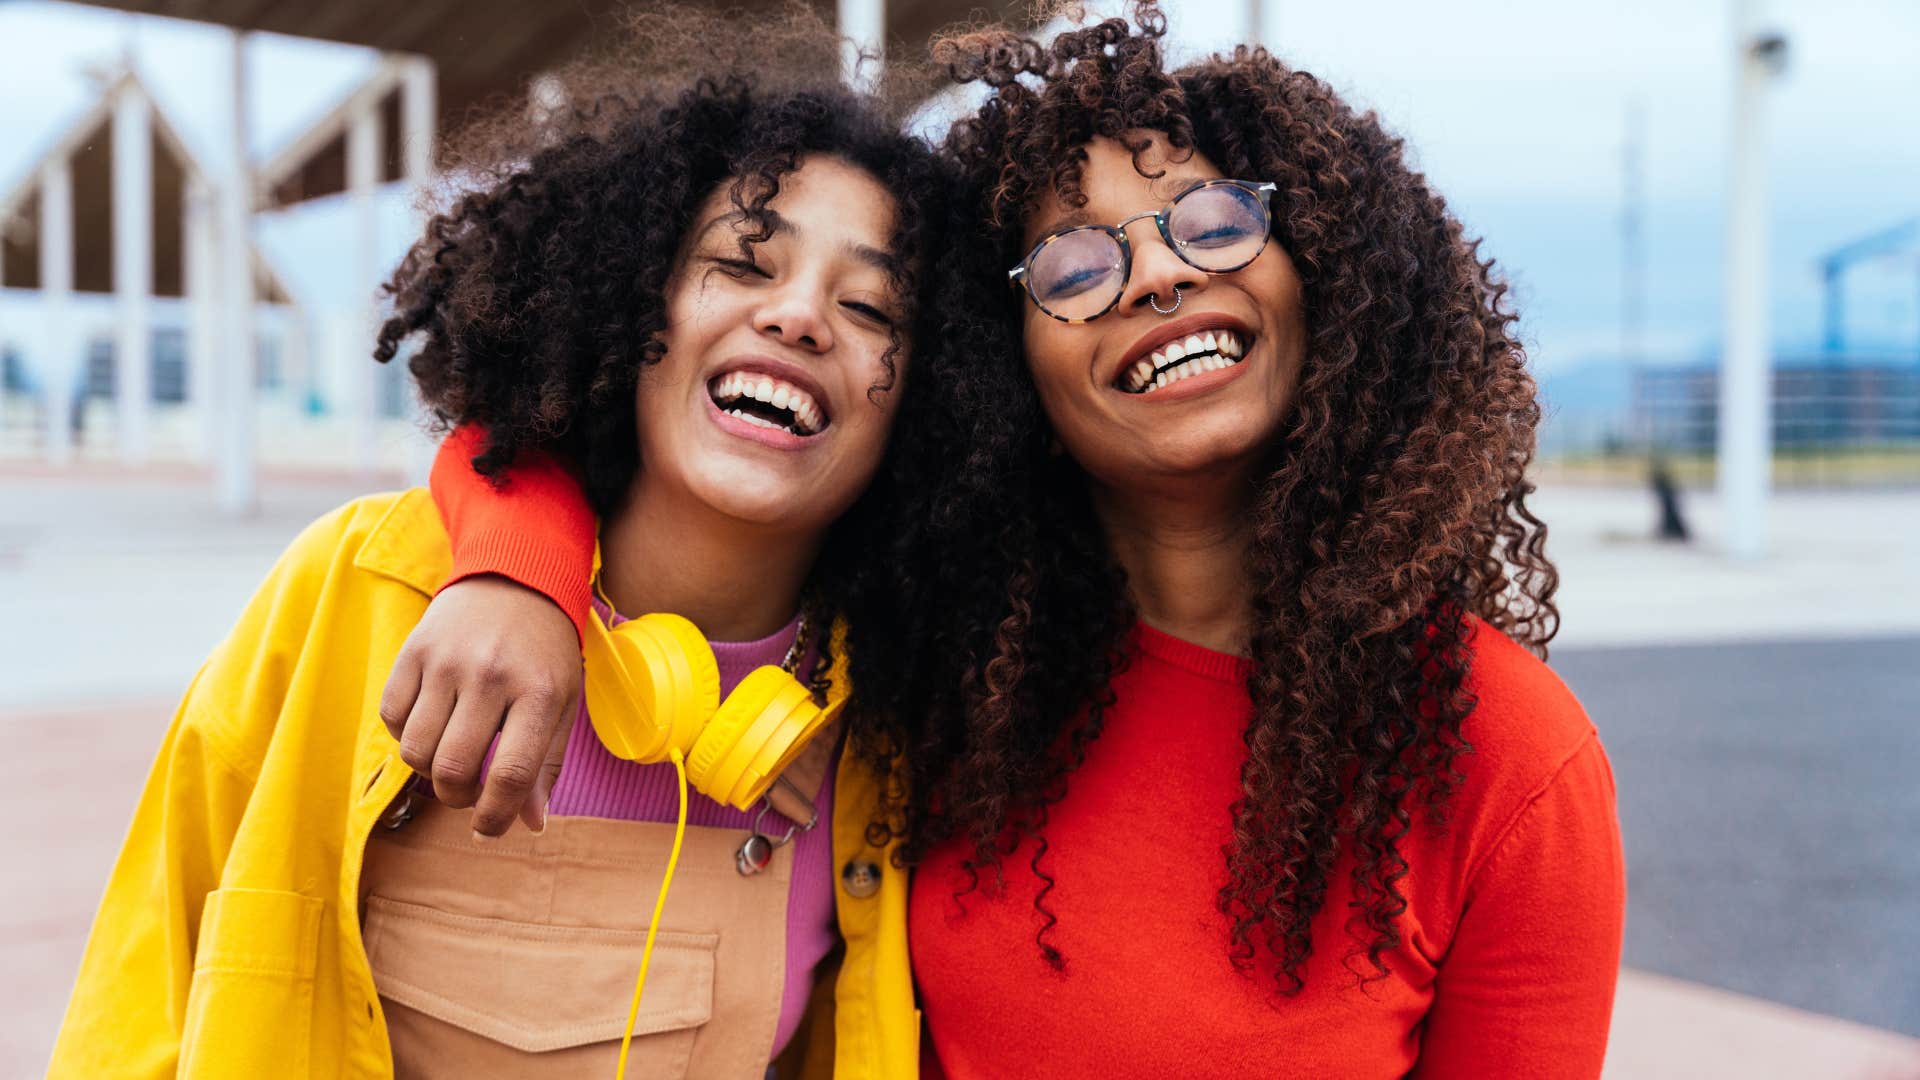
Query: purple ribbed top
point(594, 783)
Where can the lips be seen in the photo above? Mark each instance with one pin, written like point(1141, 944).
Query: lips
point(1181, 349)
point(1195, 354)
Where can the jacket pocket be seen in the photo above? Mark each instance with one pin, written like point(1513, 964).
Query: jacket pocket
point(250, 1008)
point(487, 996)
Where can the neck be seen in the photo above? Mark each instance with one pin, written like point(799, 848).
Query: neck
point(1185, 555)
point(736, 581)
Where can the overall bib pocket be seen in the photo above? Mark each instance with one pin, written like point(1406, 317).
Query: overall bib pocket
point(542, 999)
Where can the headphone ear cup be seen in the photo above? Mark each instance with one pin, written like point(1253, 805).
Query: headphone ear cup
point(755, 734)
point(651, 684)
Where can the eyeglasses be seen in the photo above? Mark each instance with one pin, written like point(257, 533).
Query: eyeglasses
point(1078, 274)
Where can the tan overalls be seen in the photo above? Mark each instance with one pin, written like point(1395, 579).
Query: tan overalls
point(516, 956)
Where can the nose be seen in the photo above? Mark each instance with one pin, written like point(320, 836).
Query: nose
point(1157, 271)
point(794, 316)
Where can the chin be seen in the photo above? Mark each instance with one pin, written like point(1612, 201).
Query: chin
point(767, 508)
point(1208, 453)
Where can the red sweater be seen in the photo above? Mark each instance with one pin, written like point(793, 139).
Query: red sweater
point(1514, 911)
point(536, 530)
point(1512, 926)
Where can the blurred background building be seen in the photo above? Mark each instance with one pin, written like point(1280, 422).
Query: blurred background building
point(1709, 213)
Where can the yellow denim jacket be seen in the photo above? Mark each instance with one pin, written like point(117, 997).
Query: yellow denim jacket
point(228, 944)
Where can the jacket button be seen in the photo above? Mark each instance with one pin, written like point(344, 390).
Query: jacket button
point(860, 878)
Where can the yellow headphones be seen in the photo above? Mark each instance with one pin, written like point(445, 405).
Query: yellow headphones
point(653, 687)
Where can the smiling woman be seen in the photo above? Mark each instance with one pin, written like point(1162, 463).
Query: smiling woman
point(700, 291)
point(1246, 749)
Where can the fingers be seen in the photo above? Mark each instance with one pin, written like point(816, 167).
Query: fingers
point(463, 749)
point(517, 761)
point(403, 687)
point(424, 723)
point(534, 810)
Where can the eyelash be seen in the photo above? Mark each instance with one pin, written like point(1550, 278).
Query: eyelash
point(740, 267)
point(743, 267)
point(870, 312)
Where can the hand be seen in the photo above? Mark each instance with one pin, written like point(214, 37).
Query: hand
point(489, 655)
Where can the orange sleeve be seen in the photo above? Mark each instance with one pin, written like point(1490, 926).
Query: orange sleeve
point(1527, 985)
point(536, 530)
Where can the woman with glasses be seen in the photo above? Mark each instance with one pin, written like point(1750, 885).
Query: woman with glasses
point(1233, 754)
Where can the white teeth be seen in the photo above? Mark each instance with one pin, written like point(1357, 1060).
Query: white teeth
point(756, 421)
point(737, 386)
point(1193, 355)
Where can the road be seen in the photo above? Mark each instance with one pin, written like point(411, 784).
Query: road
point(1768, 795)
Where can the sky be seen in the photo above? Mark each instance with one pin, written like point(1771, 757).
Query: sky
point(1515, 109)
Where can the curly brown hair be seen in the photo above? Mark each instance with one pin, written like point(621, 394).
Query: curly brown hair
point(538, 291)
point(1390, 522)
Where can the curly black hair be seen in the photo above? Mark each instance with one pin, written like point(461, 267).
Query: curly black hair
point(537, 293)
point(1389, 524)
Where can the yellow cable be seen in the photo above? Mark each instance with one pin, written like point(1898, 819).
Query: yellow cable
point(646, 955)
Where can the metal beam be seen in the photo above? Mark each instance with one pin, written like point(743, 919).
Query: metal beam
point(236, 455)
point(57, 373)
point(133, 269)
point(365, 148)
point(863, 26)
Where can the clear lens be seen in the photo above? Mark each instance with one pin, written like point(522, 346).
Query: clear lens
point(1079, 274)
point(1219, 227)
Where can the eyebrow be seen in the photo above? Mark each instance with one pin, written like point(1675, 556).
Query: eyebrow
point(1079, 216)
point(865, 253)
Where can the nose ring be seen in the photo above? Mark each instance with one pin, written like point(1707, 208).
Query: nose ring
point(1154, 299)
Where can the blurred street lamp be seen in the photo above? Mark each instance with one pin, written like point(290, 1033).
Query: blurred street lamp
point(1745, 450)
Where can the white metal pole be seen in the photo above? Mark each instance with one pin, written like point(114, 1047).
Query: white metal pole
point(1745, 448)
point(200, 232)
point(419, 109)
point(237, 466)
point(133, 268)
point(60, 368)
point(863, 25)
point(365, 156)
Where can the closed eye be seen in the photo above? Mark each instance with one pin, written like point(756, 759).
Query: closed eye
point(868, 311)
point(739, 267)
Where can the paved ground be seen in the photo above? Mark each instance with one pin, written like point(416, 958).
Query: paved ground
point(1767, 799)
point(1765, 787)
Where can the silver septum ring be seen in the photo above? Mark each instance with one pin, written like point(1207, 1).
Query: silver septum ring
point(1154, 299)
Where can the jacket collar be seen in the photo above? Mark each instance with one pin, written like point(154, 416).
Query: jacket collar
point(409, 544)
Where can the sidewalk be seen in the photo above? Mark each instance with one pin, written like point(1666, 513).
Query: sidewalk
point(1839, 564)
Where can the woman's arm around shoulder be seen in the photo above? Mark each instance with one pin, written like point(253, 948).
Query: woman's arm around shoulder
point(499, 648)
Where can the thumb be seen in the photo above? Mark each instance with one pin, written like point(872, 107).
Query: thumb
point(533, 812)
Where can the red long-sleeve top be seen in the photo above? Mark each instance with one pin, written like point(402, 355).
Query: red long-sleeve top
point(1512, 926)
point(1511, 933)
point(535, 529)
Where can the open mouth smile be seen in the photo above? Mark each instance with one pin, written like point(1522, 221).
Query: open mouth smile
point(1183, 358)
point(768, 401)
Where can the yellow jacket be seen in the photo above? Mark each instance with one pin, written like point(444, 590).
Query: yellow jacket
point(228, 943)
